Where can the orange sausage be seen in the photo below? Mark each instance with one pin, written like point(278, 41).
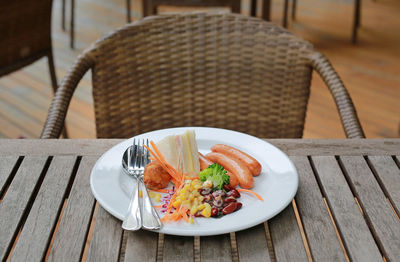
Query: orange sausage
point(249, 161)
point(234, 166)
point(204, 163)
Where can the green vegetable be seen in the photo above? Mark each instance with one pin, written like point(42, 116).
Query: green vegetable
point(216, 174)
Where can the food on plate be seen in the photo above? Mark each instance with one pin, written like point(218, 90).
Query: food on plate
point(204, 163)
point(253, 165)
point(155, 176)
point(236, 167)
point(204, 186)
point(182, 146)
point(216, 175)
point(209, 195)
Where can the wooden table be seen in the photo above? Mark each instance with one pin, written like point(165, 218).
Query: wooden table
point(347, 208)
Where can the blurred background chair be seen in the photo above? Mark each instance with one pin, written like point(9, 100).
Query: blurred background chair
point(25, 28)
point(150, 6)
point(356, 17)
point(72, 19)
point(201, 69)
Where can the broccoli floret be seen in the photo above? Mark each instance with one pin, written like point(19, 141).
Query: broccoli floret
point(216, 174)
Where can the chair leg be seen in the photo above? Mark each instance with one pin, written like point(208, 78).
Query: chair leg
point(294, 6)
point(356, 22)
point(236, 6)
point(128, 11)
point(52, 70)
point(147, 6)
point(285, 13)
point(63, 15)
point(253, 8)
point(266, 10)
point(72, 29)
point(54, 83)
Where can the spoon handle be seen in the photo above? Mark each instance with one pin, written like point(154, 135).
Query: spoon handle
point(133, 219)
point(151, 219)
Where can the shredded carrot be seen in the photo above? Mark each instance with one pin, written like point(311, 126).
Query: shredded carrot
point(184, 215)
point(158, 206)
point(160, 190)
point(192, 178)
point(251, 192)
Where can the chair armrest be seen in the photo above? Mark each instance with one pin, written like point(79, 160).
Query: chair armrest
point(59, 105)
point(347, 111)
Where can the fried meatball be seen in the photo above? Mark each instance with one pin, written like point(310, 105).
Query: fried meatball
point(155, 177)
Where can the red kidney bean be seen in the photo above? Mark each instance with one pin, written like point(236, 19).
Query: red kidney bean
point(228, 188)
point(231, 207)
point(229, 199)
point(214, 211)
point(238, 205)
point(233, 193)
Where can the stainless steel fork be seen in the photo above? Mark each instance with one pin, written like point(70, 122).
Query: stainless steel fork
point(134, 161)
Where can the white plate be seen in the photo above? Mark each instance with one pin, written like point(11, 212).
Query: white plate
point(277, 183)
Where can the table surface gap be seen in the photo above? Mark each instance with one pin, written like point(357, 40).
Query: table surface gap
point(90, 232)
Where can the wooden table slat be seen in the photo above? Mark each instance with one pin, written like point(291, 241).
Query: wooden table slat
point(323, 242)
point(350, 221)
point(177, 248)
point(216, 248)
point(375, 204)
point(141, 246)
point(252, 244)
point(17, 199)
point(107, 237)
point(37, 231)
point(7, 164)
point(70, 239)
point(303, 147)
point(286, 236)
point(389, 174)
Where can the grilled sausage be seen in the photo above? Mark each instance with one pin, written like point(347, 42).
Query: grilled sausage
point(253, 165)
point(234, 166)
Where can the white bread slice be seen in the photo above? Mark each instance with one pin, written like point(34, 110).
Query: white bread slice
point(191, 138)
point(168, 148)
point(185, 146)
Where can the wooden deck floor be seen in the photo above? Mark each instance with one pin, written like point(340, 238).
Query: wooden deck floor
point(370, 69)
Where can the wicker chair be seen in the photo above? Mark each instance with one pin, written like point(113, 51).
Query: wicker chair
point(201, 69)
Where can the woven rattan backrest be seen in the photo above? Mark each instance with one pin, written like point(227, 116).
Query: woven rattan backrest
point(24, 31)
point(198, 69)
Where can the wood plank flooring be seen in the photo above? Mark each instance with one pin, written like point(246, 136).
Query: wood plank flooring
point(369, 69)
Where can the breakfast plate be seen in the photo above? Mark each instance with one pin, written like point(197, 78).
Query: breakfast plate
point(277, 184)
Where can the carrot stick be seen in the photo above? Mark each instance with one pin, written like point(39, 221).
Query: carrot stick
point(184, 215)
point(251, 192)
point(160, 190)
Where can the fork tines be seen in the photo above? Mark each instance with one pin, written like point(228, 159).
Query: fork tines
point(140, 155)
